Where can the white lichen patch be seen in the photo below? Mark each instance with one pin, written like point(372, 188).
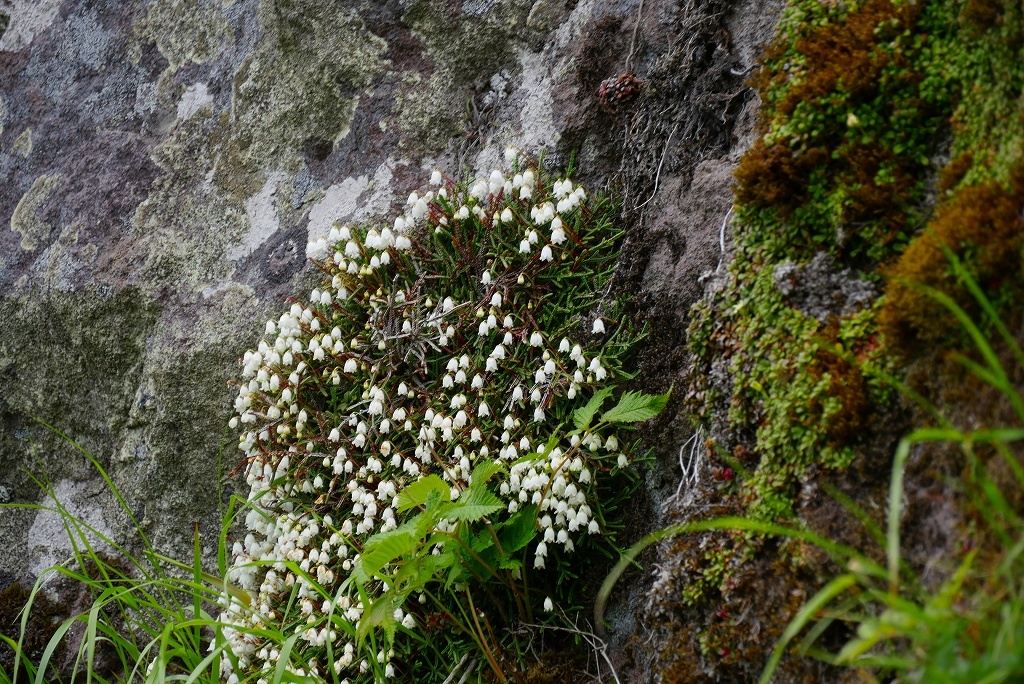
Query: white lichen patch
point(195, 97)
point(537, 117)
point(48, 542)
point(28, 18)
point(261, 210)
point(339, 203)
point(353, 200)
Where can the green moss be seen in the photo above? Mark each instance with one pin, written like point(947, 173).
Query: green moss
point(26, 220)
point(23, 144)
point(851, 120)
point(293, 95)
point(988, 122)
point(185, 30)
point(183, 235)
point(299, 87)
point(72, 360)
point(841, 167)
point(859, 101)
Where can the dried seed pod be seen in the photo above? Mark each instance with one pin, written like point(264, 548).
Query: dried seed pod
point(617, 92)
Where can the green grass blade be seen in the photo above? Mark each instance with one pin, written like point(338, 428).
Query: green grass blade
point(892, 550)
point(21, 657)
point(825, 596)
point(197, 577)
point(205, 663)
point(856, 511)
point(864, 564)
point(986, 304)
point(996, 374)
point(284, 659)
point(980, 343)
point(90, 639)
point(51, 647)
point(106, 478)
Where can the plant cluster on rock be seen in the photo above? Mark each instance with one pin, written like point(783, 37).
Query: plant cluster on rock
point(424, 429)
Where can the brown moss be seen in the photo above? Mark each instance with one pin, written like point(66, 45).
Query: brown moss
point(847, 384)
point(983, 225)
point(777, 175)
point(841, 56)
point(557, 667)
point(871, 200)
point(846, 54)
point(44, 618)
point(953, 172)
point(982, 15)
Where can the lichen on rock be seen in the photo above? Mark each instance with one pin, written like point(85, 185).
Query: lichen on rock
point(25, 219)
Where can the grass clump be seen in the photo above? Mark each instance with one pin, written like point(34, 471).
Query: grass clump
point(110, 615)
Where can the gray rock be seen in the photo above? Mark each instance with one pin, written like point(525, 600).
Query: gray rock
point(820, 290)
point(166, 164)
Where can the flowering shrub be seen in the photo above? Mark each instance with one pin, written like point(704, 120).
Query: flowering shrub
point(420, 407)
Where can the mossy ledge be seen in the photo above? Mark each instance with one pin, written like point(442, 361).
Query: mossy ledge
point(888, 130)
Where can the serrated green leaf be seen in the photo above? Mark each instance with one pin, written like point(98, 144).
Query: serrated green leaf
point(484, 472)
point(635, 407)
point(420, 526)
point(527, 458)
point(417, 493)
point(436, 502)
point(519, 530)
point(479, 542)
point(475, 504)
point(381, 614)
point(473, 512)
point(582, 416)
point(507, 563)
point(381, 550)
point(417, 571)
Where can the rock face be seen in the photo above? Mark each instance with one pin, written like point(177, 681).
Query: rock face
point(166, 164)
